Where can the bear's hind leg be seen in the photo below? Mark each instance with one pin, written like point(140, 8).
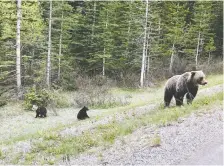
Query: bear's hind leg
point(167, 98)
point(179, 102)
point(37, 114)
point(190, 98)
point(85, 115)
point(45, 115)
point(179, 99)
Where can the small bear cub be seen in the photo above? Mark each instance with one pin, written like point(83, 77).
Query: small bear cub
point(40, 111)
point(82, 113)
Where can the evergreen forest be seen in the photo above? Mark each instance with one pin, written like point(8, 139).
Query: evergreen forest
point(66, 44)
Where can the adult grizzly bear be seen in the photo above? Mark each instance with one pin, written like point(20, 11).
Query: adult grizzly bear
point(179, 85)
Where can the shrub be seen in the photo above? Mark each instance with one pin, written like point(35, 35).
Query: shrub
point(45, 97)
point(129, 80)
point(59, 99)
point(212, 68)
point(98, 97)
point(40, 98)
point(94, 93)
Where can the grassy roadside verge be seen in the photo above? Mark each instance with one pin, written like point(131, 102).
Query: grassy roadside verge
point(55, 147)
point(50, 144)
point(59, 127)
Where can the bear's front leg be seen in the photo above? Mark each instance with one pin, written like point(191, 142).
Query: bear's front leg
point(192, 92)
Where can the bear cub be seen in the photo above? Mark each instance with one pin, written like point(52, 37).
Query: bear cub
point(82, 113)
point(179, 85)
point(40, 111)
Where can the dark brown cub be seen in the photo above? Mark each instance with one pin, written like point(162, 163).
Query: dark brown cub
point(82, 113)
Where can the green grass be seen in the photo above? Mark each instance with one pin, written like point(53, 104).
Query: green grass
point(1, 155)
point(16, 158)
point(213, 80)
point(126, 90)
point(155, 141)
point(55, 145)
point(29, 158)
point(114, 103)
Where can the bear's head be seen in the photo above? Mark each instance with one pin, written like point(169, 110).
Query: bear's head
point(35, 107)
point(85, 108)
point(198, 77)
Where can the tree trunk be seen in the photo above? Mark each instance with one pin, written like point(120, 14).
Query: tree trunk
point(104, 49)
point(59, 54)
point(159, 25)
point(144, 43)
point(18, 56)
point(209, 57)
point(172, 60)
point(198, 45)
point(94, 19)
point(49, 47)
point(146, 61)
point(148, 47)
point(129, 29)
point(103, 66)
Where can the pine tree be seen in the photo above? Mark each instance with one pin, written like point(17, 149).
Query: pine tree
point(210, 47)
point(175, 28)
point(32, 39)
point(8, 20)
point(202, 20)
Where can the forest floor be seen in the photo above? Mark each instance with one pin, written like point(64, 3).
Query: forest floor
point(139, 133)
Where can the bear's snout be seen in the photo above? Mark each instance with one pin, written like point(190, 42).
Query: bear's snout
point(204, 82)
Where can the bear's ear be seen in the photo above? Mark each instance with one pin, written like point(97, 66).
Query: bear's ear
point(193, 73)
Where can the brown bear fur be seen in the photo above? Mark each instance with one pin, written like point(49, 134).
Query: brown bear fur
point(179, 85)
